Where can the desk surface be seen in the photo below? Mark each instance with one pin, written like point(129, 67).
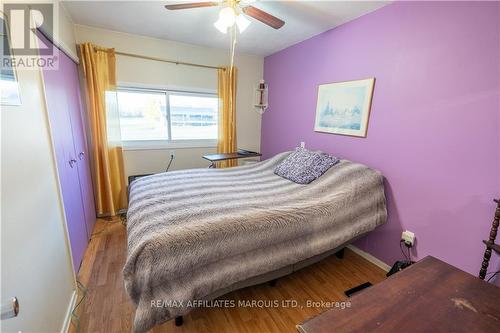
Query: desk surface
point(429, 296)
point(230, 156)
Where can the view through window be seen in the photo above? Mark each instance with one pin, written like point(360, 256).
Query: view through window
point(161, 115)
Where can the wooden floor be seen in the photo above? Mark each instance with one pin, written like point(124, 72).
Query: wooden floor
point(106, 307)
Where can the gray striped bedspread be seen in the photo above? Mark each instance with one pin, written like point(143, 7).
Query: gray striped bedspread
point(194, 232)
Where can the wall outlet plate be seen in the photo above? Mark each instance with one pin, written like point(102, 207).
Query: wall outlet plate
point(302, 144)
point(408, 237)
point(172, 153)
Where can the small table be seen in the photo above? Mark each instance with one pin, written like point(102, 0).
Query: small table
point(429, 296)
point(213, 158)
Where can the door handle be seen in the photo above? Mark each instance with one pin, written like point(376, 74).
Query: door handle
point(81, 155)
point(72, 163)
point(10, 309)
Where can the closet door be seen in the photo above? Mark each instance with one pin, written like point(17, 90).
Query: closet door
point(80, 141)
point(55, 84)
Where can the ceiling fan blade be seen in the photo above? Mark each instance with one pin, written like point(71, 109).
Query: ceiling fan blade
point(191, 5)
point(264, 17)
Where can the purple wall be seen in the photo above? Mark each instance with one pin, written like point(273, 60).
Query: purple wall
point(434, 125)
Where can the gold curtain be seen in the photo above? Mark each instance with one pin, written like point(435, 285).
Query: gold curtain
point(226, 91)
point(110, 188)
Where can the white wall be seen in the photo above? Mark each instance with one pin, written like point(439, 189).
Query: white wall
point(160, 74)
point(66, 32)
point(35, 257)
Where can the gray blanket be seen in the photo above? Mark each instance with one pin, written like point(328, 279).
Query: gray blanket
point(194, 232)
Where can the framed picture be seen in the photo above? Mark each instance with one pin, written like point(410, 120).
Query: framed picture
point(9, 88)
point(344, 107)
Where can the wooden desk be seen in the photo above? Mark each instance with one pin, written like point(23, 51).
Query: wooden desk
point(213, 158)
point(429, 296)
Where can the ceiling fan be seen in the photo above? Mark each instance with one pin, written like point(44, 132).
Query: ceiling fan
point(233, 12)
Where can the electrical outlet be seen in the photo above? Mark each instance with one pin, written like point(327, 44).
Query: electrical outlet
point(302, 144)
point(408, 237)
point(172, 153)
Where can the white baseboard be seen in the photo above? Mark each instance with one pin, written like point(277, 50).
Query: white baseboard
point(67, 319)
point(369, 257)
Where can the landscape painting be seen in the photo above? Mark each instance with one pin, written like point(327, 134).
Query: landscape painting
point(344, 107)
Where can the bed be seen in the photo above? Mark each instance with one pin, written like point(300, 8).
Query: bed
point(197, 234)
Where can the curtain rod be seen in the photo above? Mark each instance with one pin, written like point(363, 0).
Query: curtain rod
point(165, 60)
point(159, 59)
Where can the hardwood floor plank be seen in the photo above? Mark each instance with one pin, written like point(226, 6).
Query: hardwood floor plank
point(107, 307)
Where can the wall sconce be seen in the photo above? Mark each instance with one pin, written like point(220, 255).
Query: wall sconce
point(261, 97)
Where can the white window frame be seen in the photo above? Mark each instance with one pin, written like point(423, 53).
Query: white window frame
point(169, 143)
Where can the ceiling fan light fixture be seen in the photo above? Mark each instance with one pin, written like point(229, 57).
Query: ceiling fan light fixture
point(242, 22)
point(231, 13)
point(221, 26)
point(227, 16)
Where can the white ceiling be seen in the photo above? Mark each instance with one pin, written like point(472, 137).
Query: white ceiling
point(303, 19)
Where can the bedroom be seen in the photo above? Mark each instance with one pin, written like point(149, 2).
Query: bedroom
point(250, 166)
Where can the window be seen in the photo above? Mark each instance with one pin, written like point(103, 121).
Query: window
point(193, 117)
point(143, 115)
point(167, 117)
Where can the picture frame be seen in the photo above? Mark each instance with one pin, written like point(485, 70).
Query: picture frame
point(344, 107)
point(9, 86)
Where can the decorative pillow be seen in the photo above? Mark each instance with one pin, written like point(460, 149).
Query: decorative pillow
point(303, 166)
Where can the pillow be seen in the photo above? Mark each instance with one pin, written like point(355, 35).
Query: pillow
point(303, 166)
